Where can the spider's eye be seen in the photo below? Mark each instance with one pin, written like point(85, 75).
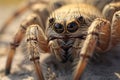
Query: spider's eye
point(72, 27)
point(59, 28)
point(51, 20)
point(81, 19)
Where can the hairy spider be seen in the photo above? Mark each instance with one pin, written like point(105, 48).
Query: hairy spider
point(68, 31)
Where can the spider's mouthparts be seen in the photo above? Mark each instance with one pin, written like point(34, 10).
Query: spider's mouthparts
point(82, 36)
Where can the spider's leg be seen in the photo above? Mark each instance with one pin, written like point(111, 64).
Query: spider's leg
point(32, 19)
point(36, 41)
point(112, 13)
point(12, 17)
point(90, 44)
point(110, 9)
point(115, 29)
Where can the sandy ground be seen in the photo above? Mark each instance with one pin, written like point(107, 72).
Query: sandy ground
point(22, 69)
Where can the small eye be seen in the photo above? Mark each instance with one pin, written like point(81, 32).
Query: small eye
point(72, 27)
point(51, 20)
point(59, 28)
point(81, 19)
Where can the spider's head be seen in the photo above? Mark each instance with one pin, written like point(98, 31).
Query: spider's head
point(66, 37)
point(66, 32)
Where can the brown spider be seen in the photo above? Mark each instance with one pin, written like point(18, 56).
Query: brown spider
point(74, 31)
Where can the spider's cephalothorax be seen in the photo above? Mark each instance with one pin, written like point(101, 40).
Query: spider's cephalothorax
point(67, 29)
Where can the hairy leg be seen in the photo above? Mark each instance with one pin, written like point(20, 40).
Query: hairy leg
point(115, 27)
point(112, 13)
point(32, 19)
point(87, 51)
point(110, 9)
point(36, 41)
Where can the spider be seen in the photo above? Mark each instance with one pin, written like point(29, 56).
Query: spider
point(68, 31)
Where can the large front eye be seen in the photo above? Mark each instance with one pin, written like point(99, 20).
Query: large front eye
point(59, 28)
point(72, 27)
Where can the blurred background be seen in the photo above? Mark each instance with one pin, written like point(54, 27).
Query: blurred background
point(10, 2)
